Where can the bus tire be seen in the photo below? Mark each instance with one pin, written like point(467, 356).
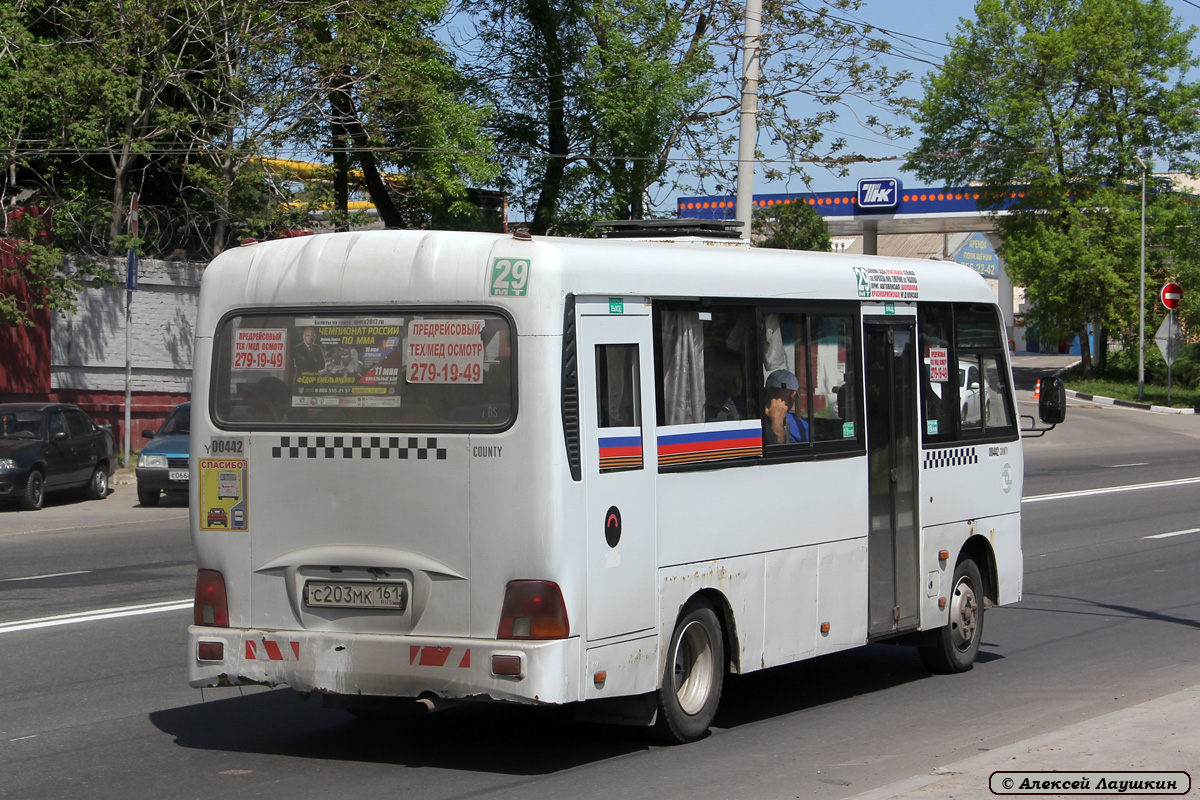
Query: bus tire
point(957, 643)
point(692, 678)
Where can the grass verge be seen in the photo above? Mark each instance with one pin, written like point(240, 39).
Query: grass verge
point(1153, 394)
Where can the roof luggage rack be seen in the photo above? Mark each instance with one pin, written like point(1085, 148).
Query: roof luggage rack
point(664, 228)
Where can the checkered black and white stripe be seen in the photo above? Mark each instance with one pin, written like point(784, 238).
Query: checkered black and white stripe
point(361, 447)
point(951, 457)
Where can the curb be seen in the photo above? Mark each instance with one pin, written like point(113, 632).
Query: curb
point(1108, 401)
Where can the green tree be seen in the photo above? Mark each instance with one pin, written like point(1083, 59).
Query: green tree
point(396, 108)
point(601, 101)
point(791, 226)
point(1058, 97)
point(51, 283)
point(1173, 254)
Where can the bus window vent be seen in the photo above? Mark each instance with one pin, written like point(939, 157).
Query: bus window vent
point(570, 391)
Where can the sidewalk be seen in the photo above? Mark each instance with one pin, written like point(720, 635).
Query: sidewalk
point(1162, 735)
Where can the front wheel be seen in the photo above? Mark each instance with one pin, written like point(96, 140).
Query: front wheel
point(97, 486)
point(692, 679)
point(958, 641)
point(35, 492)
point(148, 497)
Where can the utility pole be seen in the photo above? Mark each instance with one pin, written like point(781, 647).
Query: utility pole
point(1142, 293)
point(748, 123)
point(131, 284)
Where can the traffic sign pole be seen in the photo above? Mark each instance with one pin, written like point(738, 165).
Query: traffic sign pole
point(1171, 296)
point(1171, 363)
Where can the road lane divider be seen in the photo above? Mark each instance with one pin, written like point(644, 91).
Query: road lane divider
point(1134, 487)
point(1172, 534)
point(94, 616)
point(42, 577)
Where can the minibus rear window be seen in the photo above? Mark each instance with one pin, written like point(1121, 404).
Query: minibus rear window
point(392, 370)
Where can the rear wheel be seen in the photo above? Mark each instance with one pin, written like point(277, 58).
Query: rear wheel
point(693, 677)
point(148, 497)
point(957, 643)
point(97, 487)
point(35, 492)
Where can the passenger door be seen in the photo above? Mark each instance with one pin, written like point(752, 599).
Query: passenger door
point(619, 464)
point(62, 463)
point(893, 538)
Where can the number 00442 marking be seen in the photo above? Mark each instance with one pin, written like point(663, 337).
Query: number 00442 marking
point(510, 277)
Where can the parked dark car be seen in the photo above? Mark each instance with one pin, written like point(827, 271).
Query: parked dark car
point(50, 446)
point(163, 463)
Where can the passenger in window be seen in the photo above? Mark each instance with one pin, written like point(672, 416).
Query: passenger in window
point(728, 398)
point(268, 400)
point(780, 424)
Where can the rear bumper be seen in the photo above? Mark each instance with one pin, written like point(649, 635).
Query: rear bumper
point(387, 665)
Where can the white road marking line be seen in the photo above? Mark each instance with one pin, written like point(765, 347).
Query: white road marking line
point(51, 575)
point(1138, 464)
point(1110, 490)
point(1172, 533)
point(94, 527)
point(92, 616)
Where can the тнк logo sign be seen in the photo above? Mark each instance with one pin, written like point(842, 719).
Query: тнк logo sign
point(878, 193)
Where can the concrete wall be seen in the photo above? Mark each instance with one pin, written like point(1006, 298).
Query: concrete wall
point(88, 347)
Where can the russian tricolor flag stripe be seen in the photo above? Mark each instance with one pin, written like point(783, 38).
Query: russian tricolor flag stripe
point(710, 445)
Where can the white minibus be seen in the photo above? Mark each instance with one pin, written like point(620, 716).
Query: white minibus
point(604, 473)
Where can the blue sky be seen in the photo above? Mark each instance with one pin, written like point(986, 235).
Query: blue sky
point(924, 25)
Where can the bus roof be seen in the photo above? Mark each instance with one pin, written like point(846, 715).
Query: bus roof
point(381, 268)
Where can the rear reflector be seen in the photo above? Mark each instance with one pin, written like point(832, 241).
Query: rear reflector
point(506, 665)
point(211, 607)
point(211, 651)
point(533, 610)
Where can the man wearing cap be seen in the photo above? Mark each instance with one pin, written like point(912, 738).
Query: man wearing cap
point(780, 425)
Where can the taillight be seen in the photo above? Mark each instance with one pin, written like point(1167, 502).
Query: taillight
point(211, 607)
point(533, 610)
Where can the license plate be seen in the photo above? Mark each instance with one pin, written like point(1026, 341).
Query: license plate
point(178, 474)
point(352, 594)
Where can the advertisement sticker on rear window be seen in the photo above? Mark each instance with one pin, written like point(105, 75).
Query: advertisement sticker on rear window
point(445, 351)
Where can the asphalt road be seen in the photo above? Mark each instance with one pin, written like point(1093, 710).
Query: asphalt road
point(101, 708)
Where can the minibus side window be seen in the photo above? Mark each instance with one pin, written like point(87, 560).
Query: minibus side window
point(964, 390)
point(815, 351)
point(618, 399)
point(707, 361)
point(939, 375)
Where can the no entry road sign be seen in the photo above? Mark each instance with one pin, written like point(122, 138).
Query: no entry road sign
point(1171, 294)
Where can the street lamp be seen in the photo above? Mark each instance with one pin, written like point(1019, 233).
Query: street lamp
point(1142, 293)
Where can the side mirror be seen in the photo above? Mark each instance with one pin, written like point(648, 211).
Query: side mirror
point(147, 434)
point(1052, 404)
